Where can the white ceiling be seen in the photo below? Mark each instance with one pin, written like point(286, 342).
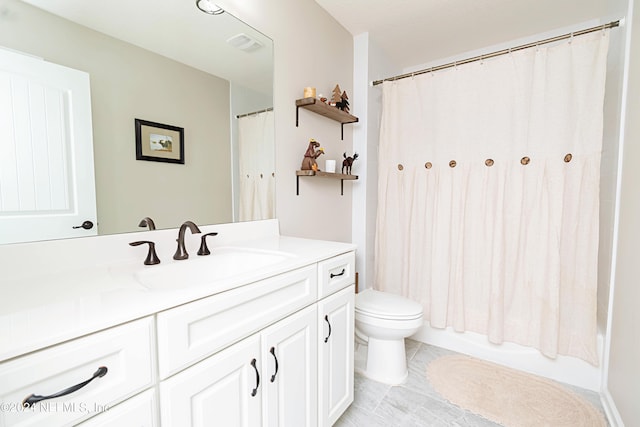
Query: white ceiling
point(414, 32)
point(177, 30)
point(409, 32)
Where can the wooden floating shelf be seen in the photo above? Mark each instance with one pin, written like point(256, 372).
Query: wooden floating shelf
point(341, 176)
point(327, 175)
point(326, 110)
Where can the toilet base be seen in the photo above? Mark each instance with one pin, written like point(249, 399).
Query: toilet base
point(386, 361)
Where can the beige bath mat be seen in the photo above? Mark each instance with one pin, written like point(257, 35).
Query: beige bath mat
point(509, 397)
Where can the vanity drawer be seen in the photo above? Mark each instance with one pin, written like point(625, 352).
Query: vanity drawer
point(139, 411)
point(336, 273)
point(126, 352)
point(193, 331)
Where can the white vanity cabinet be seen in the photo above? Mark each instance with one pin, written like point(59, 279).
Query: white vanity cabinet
point(297, 371)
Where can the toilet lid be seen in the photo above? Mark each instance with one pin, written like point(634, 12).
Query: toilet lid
point(383, 304)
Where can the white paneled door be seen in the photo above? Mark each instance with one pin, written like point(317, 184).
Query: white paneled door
point(290, 371)
point(47, 188)
point(222, 390)
point(336, 324)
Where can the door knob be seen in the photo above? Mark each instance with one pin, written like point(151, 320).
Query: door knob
point(87, 225)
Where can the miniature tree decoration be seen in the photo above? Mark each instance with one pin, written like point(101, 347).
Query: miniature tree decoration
point(343, 104)
point(310, 156)
point(336, 95)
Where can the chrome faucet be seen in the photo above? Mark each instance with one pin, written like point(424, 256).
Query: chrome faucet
point(181, 252)
point(147, 222)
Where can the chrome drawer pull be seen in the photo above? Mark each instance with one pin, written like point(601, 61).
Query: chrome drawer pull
point(34, 398)
point(255, 390)
point(331, 276)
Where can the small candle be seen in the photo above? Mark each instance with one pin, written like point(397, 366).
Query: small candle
point(309, 92)
point(330, 166)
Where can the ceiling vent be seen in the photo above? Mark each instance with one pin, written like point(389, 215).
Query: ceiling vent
point(244, 42)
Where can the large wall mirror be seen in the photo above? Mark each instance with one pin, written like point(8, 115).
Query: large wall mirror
point(169, 63)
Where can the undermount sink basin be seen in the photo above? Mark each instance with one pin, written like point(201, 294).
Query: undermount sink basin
point(223, 263)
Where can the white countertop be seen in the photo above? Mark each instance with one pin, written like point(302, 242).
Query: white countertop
point(54, 304)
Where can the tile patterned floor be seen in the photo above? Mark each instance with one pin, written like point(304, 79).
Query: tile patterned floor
point(415, 403)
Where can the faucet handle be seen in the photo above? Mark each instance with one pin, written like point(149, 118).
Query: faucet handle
point(152, 257)
point(204, 250)
point(147, 222)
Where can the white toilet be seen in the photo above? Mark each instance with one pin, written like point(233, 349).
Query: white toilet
point(383, 321)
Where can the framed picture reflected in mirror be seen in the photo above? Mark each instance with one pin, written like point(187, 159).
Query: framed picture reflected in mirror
point(158, 142)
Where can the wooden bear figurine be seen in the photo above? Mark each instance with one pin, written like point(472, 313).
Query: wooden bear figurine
point(310, 156)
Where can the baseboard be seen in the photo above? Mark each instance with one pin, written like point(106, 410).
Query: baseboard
point(610, 409)
point(568, 370)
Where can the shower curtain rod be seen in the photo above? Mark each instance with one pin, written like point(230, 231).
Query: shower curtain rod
point(254, 112)
point(498, 53)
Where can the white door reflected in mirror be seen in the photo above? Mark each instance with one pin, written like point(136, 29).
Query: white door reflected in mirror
point(47, 188)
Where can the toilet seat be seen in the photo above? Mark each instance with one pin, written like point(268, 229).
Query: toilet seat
point(386, 306)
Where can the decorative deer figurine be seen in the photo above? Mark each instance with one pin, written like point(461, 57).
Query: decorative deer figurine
point(348, 162)
point(310, 156)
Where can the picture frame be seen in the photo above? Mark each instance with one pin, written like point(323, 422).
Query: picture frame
point(158, 142)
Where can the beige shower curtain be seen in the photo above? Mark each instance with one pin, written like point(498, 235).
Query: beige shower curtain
point(256, 166)
point(488, 195)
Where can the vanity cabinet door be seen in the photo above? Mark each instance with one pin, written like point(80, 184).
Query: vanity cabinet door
point(335, 355)
point(290, 362)
point(222, 390)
